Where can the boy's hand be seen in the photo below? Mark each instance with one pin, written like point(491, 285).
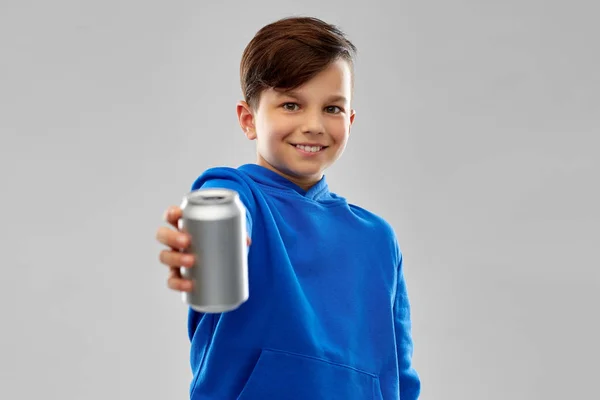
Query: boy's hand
point(176, 240)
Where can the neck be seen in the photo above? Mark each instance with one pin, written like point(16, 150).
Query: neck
point(304, 182)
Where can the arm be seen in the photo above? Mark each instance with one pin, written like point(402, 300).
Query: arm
point(409, 382)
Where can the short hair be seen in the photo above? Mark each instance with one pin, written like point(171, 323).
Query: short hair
point(289, 52)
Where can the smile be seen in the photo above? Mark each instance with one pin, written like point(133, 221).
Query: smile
point(309, 150)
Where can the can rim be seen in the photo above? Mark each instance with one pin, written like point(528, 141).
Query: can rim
point(211, 196)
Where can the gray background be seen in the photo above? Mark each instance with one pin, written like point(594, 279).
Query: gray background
point(475, 137)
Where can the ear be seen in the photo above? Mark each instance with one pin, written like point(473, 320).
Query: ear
point(352, 115)
point(246, 119)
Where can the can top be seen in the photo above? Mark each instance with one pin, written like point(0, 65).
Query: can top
point(211, 196)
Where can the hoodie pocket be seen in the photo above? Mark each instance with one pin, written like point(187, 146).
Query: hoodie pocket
point(287, 376)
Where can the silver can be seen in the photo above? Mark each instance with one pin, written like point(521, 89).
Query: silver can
point(216, 221)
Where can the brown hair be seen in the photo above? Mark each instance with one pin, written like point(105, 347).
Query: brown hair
point(289, 52)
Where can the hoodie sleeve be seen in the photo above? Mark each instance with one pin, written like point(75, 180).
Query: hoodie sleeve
point(225, 178)
point(409, 382)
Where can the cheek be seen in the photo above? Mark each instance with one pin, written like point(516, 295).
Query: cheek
point(339, 131)
point(278, 129)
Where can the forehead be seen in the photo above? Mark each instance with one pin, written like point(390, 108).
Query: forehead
point(333, 83)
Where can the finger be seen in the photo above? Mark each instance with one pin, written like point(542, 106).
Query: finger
point(175, 239)
point(176, 282)
point(248, 240)
point(172, 215)
point(176, 259)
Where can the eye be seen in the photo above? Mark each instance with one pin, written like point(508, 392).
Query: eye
point(287, 104)
point(330, 109)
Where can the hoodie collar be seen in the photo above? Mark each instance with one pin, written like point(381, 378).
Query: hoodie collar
point(270, 178)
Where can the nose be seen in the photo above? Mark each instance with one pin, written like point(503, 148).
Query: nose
point(313, 123)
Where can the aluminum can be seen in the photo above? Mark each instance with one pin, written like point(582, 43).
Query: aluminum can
point(216, 221)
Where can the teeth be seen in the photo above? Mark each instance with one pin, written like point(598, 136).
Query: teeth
point(312, 149)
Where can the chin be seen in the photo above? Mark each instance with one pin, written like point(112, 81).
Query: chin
point(305, 173)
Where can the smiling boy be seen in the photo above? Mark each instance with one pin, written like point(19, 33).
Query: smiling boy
point(317, 115)
point(328, 315)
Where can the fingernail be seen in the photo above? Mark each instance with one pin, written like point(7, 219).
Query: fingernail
point(182, 240)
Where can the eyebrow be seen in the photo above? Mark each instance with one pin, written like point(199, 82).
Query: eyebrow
point(292, 93)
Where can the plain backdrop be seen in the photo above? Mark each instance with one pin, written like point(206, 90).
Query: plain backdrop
point(476, 137)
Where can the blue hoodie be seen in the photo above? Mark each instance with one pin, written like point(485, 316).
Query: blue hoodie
point(328, 315)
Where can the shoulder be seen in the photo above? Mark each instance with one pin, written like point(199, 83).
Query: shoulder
point(380, 228)
point(227, 178)
point(373, 218)
point(226, 175)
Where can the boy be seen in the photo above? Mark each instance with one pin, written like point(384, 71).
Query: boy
point(328, 315)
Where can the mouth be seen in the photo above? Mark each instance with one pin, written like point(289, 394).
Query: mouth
point(309, 149)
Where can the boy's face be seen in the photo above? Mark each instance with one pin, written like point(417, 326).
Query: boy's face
point(313, 114)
